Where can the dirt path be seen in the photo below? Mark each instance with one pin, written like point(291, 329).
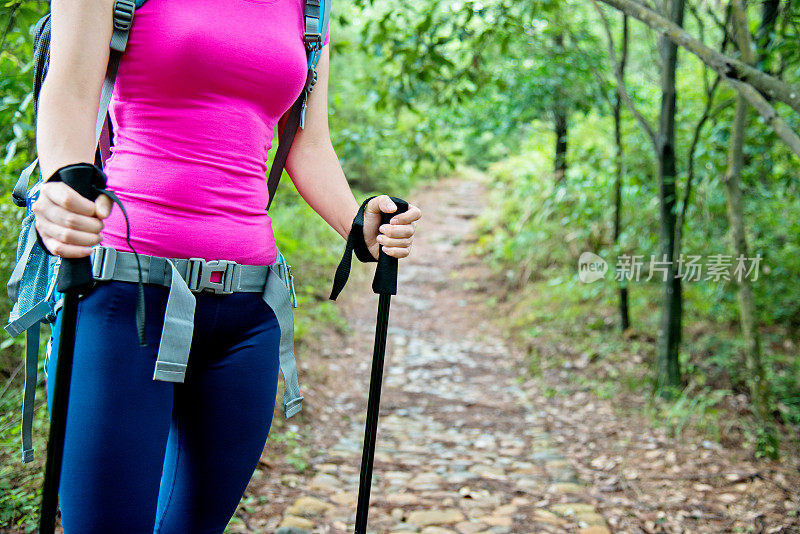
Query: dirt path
point(460, 446)
point(465, 444)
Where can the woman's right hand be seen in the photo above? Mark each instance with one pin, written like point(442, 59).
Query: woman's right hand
point(68, 223)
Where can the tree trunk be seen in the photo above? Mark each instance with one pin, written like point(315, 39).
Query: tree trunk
point(757, 384)
point(668, 374)
point(756, 380)
point(620, 168)
point(560, 123)
point(561, 144)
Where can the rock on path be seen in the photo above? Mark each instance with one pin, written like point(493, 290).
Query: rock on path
point(460, 449)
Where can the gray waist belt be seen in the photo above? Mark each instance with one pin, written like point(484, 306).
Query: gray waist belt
point(183, 277)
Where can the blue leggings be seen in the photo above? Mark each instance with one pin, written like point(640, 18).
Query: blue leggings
point(144, 456)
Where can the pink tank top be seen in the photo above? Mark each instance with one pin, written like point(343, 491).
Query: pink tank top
point(200, 89)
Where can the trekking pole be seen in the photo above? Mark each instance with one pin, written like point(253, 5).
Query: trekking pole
point(373, 408)
point(385, 285)
point(74, 276)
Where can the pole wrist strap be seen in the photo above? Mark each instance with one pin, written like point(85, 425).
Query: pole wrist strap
point(355, 243)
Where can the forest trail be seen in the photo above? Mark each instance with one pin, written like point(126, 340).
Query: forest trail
point(465, 443)
point(461, 448)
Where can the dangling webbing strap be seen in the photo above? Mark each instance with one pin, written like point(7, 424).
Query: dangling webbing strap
point(31, 363)
point(277, 296)
point(355, 243)
point(176, 334)
point(30, 323)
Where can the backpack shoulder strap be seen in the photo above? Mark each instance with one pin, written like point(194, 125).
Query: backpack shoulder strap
point(123, 20)
point(316, 14)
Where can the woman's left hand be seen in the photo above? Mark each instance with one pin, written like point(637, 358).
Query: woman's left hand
point(395, 237)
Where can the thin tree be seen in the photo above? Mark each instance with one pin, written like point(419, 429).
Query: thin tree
point(560, 120)
point(668, 372)
point(759, 395)
point(620, 171)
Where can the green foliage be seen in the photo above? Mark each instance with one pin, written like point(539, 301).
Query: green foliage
point(295, 454)
point(419, 87)
point(696, 409)
point(20, 484)
point(572, 216)
point(767, 445)
point(291, 443)
point(383, 139)
point(538, 241)
point(476, 73)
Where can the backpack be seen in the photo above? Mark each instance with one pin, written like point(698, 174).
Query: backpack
point(31, 286)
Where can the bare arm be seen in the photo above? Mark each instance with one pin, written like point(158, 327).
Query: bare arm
point(313, 165)
point(70, 95)
point(317, 174)
point(68, 103)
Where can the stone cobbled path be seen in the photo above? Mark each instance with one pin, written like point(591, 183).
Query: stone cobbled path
point(461, 448)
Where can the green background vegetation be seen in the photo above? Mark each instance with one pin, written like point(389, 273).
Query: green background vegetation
point(526, 92)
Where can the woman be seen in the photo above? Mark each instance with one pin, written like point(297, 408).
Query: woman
point(200, 90)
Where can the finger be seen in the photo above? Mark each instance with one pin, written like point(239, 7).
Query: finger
point(373, 206)
point(102, 206)
point(58, 248)
point(412, 214)
point(57, 215)
point(381, 203)
point(387, 205)
point(393, 242)
point(397, 230)
point(68, 251)
point(69, 199)
point(67, 236)
point(397, 252)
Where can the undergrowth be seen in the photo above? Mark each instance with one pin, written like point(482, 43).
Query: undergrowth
point(533, 232)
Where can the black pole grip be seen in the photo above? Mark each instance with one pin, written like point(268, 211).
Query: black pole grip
point(385, 281)
point(75, 274)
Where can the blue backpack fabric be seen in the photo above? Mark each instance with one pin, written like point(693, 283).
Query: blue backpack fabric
point(32, 289)
point(31, 286)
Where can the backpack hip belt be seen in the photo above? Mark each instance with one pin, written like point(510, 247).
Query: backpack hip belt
point(184, 277)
